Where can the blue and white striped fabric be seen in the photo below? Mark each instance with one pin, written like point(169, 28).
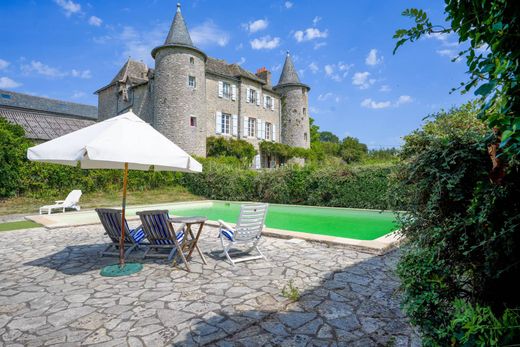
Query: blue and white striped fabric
point(229, 234)
point(137, 234)
point(162, 229)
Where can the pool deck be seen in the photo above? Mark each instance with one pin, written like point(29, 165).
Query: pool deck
point(380, 245)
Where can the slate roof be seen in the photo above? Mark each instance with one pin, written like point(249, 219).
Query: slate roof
point(221, 68)
point(41, 125)
point(178, 34)
point(136, 70)
point(19, 100)
point(289, 74)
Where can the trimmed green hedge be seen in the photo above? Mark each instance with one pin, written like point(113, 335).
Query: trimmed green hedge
point(341, 186)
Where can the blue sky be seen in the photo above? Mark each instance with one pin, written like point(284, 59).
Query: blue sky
point(67, 49)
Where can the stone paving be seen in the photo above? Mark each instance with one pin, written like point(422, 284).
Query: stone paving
point(51, 293)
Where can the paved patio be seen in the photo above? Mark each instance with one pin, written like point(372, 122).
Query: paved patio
point(51, 293)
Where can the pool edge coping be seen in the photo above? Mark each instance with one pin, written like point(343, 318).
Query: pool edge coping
point(379, 246)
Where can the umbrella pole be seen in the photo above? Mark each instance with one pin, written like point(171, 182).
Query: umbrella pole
point(121, 241)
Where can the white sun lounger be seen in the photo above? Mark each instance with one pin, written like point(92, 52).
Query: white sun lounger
point(71, 201)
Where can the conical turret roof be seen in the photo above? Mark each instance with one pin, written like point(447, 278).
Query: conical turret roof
point(289, 74)
point(178, 34)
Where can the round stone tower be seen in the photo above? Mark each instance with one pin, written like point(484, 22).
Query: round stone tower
point(295, 129)
point(180, 89)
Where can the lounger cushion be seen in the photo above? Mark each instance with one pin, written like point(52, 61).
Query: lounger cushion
point(137, 234)
point(230, 234)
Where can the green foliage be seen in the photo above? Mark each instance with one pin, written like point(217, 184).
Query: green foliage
point(479, 326)
point(462, 231)
point(314, 131)
point(330, 185)
point(222, 147)
point(490, 31)
point(386, 155)
point(290, 291)
point(282, 151)
point(351, 150)
point(327, 136)
point(13, 147)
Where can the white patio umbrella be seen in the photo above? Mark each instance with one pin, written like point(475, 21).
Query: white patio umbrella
point(123, 142)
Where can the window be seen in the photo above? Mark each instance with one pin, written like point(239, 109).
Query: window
point(192, 81)
point(226, 90)
point(252, 96)
point(226, 121)
point(251, 127)
point(305, 136)
point(268, 131)
point(304, 111)
point(193, 121)
point(192, 61)
point(268, 102)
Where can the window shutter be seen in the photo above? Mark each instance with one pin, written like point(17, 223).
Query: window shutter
point(272, 104)
point(220, 89)
point(257, 98)
point(257, 161)
point(274, 133)
point(263, 129)
point(235, 125)
point(248, 95)
point(246, 126)
point(259, 128)
point(265, 101)
point(218, 122)
point(233, 92)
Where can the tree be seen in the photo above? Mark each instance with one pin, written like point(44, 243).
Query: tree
point(327, 136)
point(351, 150)
point(315, 131)
point(490, 30)
point(13, 147)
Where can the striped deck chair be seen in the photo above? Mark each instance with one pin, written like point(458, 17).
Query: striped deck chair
point(111, 220)
point(247, 231)
point(161, 234)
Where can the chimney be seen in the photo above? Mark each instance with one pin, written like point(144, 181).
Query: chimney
point(264, 74)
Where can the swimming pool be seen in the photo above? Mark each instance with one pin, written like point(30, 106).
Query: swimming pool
point(339, 222)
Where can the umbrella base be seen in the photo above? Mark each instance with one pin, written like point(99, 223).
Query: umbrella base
point(115, 270)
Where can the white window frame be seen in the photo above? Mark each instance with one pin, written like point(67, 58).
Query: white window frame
point(226, 124)
point(268, 130)
point(251, 127)
point(253, 96)
point(194, 85)
point(226, 85)
point(268, 102)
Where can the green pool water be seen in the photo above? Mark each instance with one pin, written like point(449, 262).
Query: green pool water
point(341, 222)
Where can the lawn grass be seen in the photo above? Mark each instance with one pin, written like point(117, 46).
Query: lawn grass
point(31, 205)
point(22, 224)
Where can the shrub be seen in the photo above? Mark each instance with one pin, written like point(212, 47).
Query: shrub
point(462, 230)
point(222, 147)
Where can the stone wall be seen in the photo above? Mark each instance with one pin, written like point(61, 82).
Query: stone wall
point(107, 103)
point(215, 103)
point(175, 102)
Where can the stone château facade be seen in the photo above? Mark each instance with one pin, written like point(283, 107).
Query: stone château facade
point(190, 96)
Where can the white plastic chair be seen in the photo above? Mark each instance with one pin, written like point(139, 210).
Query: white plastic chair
point(247, 231)
point(71, 201)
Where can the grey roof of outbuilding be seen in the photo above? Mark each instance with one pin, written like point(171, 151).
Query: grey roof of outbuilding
point(25, 101)
point(289, 74)
point(40, 125)
point(134, 69)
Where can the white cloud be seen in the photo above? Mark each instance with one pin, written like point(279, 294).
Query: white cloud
point(95, 21)
point(362, 80)
point(448, 48)
point(265, 42)
point(329, 96)
point(376, 105)
point(81, 74)
point(318, 45)
point(3, 64)
point(385, 88)
point(39, 68)
point(42, 69)
point(310, 34)
point(78, 95)
point(450, 53)
point(288, 4)
point(369, 103)
point(209, 34)
point(241, 61)
point(316, 20)
point(337, 72)
point(276, 67)
point(257, 25)
point(372, 59)
point(314, 67)
point(69, 6)
point(6, 82)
